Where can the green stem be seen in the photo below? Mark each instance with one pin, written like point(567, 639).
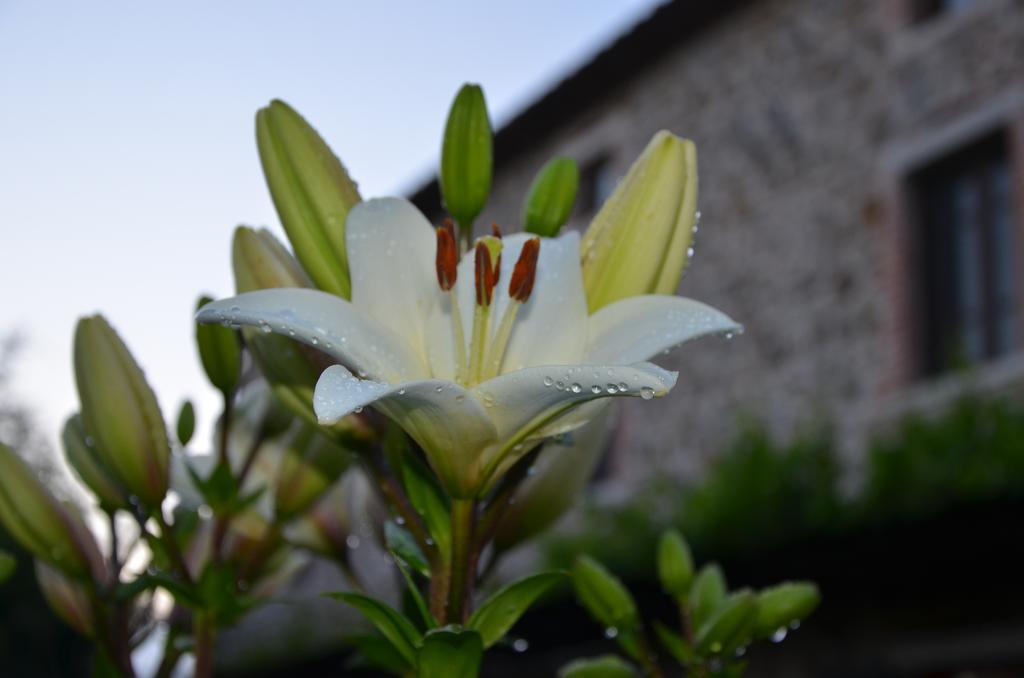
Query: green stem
point(460, 581)
point(204, 636)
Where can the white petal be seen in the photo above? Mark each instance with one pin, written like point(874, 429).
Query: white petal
point(326, 322)
point(639, 328)
point(391, 252)
point(445, 420)
point(520, 403)
point(549, 328)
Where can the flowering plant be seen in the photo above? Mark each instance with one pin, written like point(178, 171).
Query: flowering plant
point(466, 378)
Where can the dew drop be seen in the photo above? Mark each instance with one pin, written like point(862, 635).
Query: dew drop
point(779, 635)
point(611, 632)
point(575, 388)
point(560, 385)
point(401, 391)
point(399, 520)
point(647, 393)
point(352, 541)
point(315, 341)
point(459, 398)
point(689, 251)
point(357, 410)
point(611, 388)
point(439, 389)
point(623, 386)
point(548, 381)
point(595, 389)
point(520, 645)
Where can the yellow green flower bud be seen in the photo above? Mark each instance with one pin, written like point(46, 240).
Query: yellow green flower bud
point(639, 242)
point(466, 156)
point(120, 412)
point(312, 193)
point(68, 598)
point(220, 352)
point(261, 262)
point(311, 464)
point(81, 453)
point(44, 526)
point(551, 196)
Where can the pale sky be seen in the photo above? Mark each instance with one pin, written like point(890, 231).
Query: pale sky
point(127, 154)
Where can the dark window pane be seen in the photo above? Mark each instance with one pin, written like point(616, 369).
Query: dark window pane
point(965, 278)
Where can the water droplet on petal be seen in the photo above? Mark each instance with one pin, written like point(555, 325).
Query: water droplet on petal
point(646, 392)
point(611, 388)
point(575, 388)
point(548, 381)
point(595, 389)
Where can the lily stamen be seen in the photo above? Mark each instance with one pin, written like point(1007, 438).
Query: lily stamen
point(487, 256)
point(519, 288)
point(447, 273)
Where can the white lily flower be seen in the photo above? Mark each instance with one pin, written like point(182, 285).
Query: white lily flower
point(475, 402)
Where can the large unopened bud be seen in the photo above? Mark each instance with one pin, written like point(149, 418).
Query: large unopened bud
point(639, 242)
point(311, 464)
point(261, 262)
point(120, 412)
point(312, 193)
point(82, 455)
point(466, 156)
point(44, 526)
point(68, 598)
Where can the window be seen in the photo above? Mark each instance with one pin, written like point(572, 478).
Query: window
point(596, 185)
point(927, 9)
point(966, 255)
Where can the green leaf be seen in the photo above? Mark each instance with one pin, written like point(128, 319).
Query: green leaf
point(186, 423)
point(220, 351)
point(781, 605)
point(675, 564)
point(606, 666)
point(429, 501)
point(603, 595)
point(8, 565)
point(708, 591)
point(219, 489)
point(551, 196)
point(674, 643)
point(449, 653)
point(466, 156)
point(378, 653)
point(503, 609)
point(730, 626)
point(403, 546)
point(413, 592)
point(399, 631)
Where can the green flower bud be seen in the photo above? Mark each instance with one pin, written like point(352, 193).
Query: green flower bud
point(120, 412)
point(466, 156)
point(602, 594)
point(68, 598)
point(44, 526)
point(781, 605)
point(261, 262)
point(639, 242)
point(220, 352)
point(312, 193)
point(675, 564)
point(551, 196)
point(82, 456)
point(186, 426)
point(311, 465)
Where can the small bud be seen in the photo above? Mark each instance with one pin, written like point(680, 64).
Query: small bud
point(675, 564)
point(640, 239)
point(466, 156)
point(525, 271)
point(603, 595)
point(312, 193)
point(311, 464)
point(551, 197)
point(68, 598)
point(261, 262)
point(119, 411)
point(708, 592)
point(82, 456)
point(486, 263)
point(220, 352)
point(41, 524)
point(186, 425)
point(447, 256)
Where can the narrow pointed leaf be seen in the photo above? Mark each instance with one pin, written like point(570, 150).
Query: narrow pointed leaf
point(730, 626)
point(503, 609)
point(404, 546)
point(186, 423)
point(708, 591)
point(392, 625)
point(781, 605)
point(603, 595)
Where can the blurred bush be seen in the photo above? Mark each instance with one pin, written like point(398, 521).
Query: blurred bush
point(761, 494)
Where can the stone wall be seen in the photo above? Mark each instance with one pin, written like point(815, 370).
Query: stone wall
point(807, 114)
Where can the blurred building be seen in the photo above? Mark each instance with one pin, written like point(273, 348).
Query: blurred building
point(862, 192)
point(861, 173)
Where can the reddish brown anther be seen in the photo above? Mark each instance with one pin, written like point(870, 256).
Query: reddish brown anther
point(447, 255)
point(486, 275)
point(495, 230)
point(525, 271)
